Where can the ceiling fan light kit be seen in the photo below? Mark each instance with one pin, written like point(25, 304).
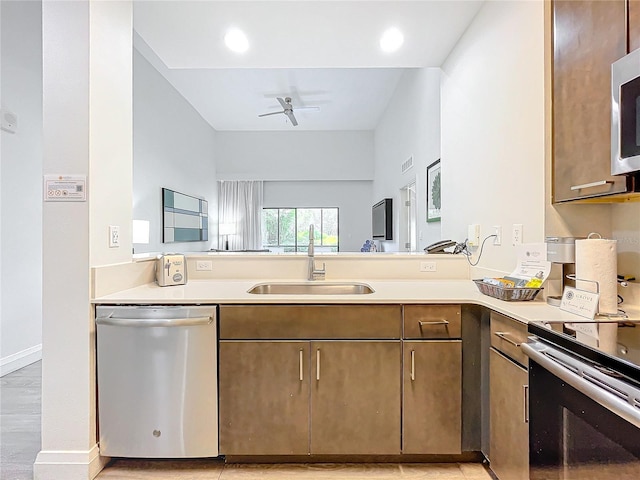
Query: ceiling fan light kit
point(287, 109)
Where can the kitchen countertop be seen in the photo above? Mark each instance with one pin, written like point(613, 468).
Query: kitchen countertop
point(385, 292)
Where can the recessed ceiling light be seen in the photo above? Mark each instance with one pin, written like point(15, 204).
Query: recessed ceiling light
point(236, 41)
point(391, 40)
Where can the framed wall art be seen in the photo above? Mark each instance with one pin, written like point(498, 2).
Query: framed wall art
point(434, 192)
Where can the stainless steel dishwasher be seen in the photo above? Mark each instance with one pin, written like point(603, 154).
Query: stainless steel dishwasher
point(157, 381)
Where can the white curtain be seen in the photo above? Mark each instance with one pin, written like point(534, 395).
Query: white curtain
point(240, 204)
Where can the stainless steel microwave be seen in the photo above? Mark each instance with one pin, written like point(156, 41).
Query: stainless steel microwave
point(625, 114)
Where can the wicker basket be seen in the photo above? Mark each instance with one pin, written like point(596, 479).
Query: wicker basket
point(506, 293)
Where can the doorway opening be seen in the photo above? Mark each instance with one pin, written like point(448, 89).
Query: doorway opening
point(408, 228)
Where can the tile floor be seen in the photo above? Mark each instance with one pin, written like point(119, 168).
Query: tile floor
point(20, 402)
point(214, 470)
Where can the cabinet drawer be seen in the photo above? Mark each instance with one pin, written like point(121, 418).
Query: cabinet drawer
point(507, 335)
point(310, 321)
point(432, 321)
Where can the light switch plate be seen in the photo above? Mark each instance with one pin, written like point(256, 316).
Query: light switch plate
point(204, 265)
point(114, 236)
point(517, 234)
point(427, 266)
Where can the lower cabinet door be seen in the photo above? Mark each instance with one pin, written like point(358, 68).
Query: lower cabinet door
point(355, 397)
point(432, 413)
point(509, 432)
point(264, 397)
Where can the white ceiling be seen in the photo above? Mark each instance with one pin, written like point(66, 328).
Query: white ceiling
point(322, 52)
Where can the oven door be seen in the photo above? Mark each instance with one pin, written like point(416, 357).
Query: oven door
point(583, 423)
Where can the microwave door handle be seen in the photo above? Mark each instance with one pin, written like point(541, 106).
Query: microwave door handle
point(607, 400)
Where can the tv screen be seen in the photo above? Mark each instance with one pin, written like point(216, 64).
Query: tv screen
point(382, 220)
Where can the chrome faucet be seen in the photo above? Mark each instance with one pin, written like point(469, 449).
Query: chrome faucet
point(314, 273)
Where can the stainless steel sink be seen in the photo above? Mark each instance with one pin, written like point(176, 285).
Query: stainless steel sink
point(311, 289)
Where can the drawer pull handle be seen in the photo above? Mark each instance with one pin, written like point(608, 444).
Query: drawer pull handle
point(591, 185)
point(525, 391)
point(436, 322)
point(318, 364)
point(413, 365)
point(301, 365)
point(504, 336)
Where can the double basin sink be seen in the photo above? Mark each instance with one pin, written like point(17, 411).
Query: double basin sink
point(311, 289)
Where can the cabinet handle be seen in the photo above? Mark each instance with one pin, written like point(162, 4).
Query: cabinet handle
point(436, 322)
point(301, 366)
point(503, 336)
point(413, 365)
point(591, 185)
point(525, 391)
point(318, 364)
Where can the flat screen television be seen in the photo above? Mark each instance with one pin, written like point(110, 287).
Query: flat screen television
point(382, 219)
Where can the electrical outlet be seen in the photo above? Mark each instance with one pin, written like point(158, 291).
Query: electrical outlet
point(204, 265)
point(114, 236)
point(473, 235)
point(497, 231)
point(427, 266)
point(517, 234)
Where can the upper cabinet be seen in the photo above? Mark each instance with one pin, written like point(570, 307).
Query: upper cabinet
point(634, 24)
point(588, 36)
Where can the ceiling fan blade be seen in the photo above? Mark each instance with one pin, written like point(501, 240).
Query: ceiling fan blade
point(284, 104)
point(272, 113)
point(289, 114)
point(315, 109)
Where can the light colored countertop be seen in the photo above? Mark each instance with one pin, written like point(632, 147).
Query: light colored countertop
point(389, 291)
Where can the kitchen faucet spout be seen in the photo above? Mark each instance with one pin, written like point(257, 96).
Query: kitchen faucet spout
point(313, 272)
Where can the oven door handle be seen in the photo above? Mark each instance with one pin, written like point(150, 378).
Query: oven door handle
point(607, 400)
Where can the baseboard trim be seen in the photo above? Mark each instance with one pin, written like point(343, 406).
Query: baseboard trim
point(16, 361)
point(69, 464)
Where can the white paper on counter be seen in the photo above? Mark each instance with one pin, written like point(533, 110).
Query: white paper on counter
point(532, 262)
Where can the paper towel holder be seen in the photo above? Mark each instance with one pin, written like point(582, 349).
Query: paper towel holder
point(572, 276)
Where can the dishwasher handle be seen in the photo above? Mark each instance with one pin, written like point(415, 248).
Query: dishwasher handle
point(154, 322)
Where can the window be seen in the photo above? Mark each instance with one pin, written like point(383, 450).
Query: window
point(287, 229)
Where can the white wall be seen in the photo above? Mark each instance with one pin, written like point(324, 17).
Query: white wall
point(493, 128)
point(21, 187)
point(325, 155)
point(351, 197)
point(409, 126)
point(173, 147)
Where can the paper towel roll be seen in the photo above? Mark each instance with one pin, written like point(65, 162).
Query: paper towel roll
point(596, 260)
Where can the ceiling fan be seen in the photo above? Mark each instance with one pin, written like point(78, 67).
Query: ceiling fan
point(288, 110)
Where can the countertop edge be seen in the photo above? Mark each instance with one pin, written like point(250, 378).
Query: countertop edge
point(221, 292)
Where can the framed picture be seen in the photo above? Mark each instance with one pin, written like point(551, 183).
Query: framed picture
point(434, 185)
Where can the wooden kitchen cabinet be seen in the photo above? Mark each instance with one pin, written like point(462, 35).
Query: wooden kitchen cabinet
point(432, 387)
point(264, 397)
point(332, 389)
point(355, 397)
point(509, 431)
point(332, 380)
point(588, 36)
point(634, 24)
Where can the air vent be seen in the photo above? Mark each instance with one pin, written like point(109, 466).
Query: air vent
point(407, 164)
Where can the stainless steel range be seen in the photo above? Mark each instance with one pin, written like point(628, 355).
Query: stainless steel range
point(584, 404)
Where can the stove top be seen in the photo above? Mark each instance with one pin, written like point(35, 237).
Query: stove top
point(623, 355)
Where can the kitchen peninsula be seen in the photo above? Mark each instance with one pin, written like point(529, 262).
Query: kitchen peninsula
point(409, 359)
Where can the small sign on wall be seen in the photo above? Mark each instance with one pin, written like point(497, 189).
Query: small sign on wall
point(65, 188)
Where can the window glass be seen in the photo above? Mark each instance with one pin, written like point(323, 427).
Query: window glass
point(287, 229)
